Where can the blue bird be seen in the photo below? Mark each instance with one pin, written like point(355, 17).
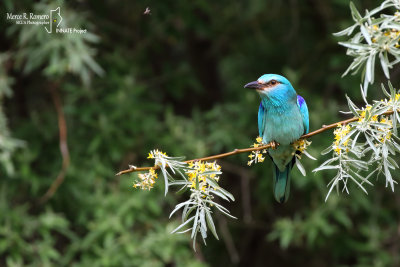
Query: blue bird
point(282, 118)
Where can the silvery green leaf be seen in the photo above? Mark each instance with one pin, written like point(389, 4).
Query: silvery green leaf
point(363, 95)
point(362, 187)
point(345, 112)
point(212, 182)
point(184, 231)
point(397, 60)
point(183, 189)
point(354, 12)
point(326, 150)
point(365, 33)
point(364, 179)
point(376, 21)
point(328, 161)
point(216, 205)
point(179, 182)
point(385, 152)
point(226, 213)
point(355, 140)
point(393, 25)
point(397, 116)
point(334, 183)
point(226, 193)
point(384, 64)
point(337, 177)
point(219, 194)
point(369, 68)
point(347, 136)
point(365, 87)
point(394, 122)
point(328, 167)
point(361, 66)
point(392, 90)
point(388, 175)
point(195, 224)
point(212, 172)
point(195, 230)
point(188, 212)
point(203, 225)
point(383, 110)
point(352, 106)
point(183, 224)
point(391, 147)
point(393, 162)
point(356, 63)
point(180, 205)
point(308, 155)
point(355, 46)
point(357, 38)
point(371, 144)
point(184, 212)
point(346, 31)
point(397, 146)
point(380, 125)
point(361, 165)
point(210, 224)
point(300, 167)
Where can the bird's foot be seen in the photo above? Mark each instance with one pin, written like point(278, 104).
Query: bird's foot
point(274, 145)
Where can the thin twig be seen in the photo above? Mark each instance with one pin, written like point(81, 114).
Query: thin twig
point(246, 150)
point(62, 125)
point(218, 156)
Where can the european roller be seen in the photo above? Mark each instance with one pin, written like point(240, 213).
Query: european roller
point(283, 118)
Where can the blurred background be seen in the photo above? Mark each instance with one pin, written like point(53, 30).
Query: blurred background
point(172, 78)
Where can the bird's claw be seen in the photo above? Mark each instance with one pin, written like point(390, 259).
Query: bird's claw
point(274, 145)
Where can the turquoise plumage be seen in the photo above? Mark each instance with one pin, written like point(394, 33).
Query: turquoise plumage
point(283, 118)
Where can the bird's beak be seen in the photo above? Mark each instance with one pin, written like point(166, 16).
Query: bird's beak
point(255, 85)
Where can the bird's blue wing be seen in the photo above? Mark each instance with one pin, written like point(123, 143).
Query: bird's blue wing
point(261, 121)
point(304, 113)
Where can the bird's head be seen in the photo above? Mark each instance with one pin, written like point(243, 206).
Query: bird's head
point(269, 85)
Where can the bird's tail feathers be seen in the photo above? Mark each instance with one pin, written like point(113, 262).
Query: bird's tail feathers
point(282, 183)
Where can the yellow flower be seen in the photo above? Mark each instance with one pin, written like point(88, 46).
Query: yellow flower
point(202, 167)
point(146, 180)
point(196, 170)
point(150, 156)
point(256, 156)
point(192, 175)
point(340, 133)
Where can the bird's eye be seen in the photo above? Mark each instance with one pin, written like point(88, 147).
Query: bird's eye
point(273, 82)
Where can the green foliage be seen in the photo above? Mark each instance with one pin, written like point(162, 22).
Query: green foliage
point(173, 80)
point(8, 145)
point(377, 37)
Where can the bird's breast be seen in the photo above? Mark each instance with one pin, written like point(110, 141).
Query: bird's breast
point(283, 127)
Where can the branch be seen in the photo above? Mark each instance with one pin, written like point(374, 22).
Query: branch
point(246, 150)
point(62, 125)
